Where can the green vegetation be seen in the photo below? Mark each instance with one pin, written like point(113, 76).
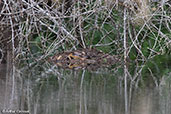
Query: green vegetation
point(42, 29)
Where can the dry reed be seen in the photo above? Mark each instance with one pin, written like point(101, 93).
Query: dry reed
point(39, 28)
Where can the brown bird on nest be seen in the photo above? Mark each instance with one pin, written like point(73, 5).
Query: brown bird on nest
point(82, 58)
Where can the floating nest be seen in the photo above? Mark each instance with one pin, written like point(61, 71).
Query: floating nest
point(83, 58)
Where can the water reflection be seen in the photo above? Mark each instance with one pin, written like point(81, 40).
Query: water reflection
point(79, 93)
point(59, 91)
point(11, 95)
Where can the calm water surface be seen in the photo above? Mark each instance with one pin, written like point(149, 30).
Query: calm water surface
point(53, 90)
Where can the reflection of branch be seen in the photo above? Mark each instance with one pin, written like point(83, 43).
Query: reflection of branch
point(154, 78)
point(1, 55)
point(81, 91)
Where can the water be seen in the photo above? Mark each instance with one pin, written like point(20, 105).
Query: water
point(51, 90)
